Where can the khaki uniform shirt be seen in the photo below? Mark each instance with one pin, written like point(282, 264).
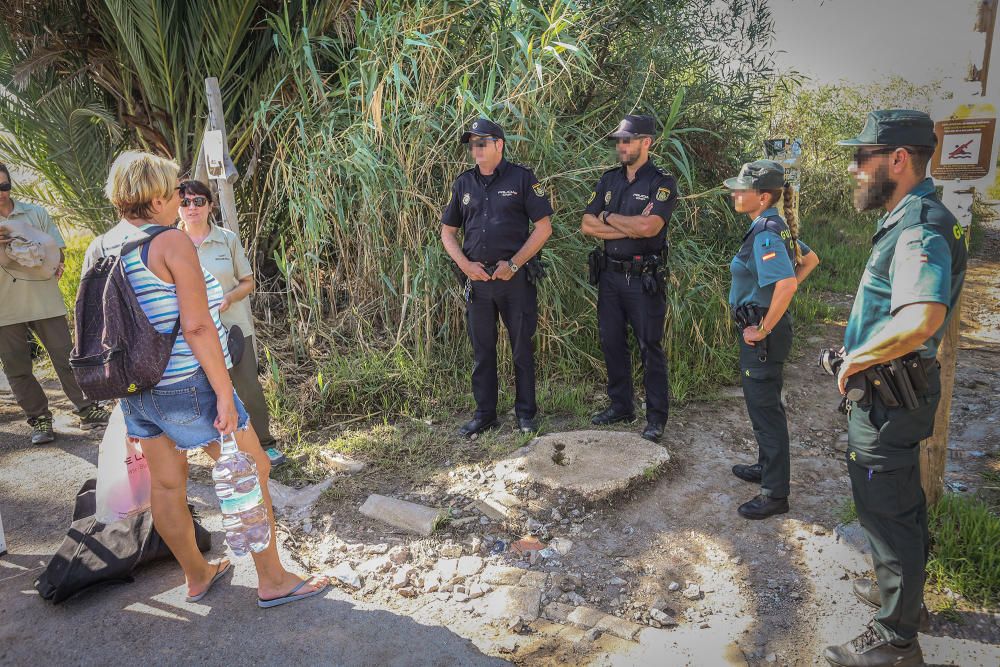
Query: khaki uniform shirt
point(222, 255)
point(30, 300)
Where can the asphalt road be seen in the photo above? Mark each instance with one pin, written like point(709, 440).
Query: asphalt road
point(148, 621)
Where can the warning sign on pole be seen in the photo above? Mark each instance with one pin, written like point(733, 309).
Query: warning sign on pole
point(964, 149)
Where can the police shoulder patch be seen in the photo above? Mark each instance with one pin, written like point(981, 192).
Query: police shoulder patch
point(465, 199)
point(607, 197)
point(538, 190)
point(663, 194)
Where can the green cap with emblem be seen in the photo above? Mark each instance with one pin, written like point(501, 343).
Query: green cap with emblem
point(759, 175)
point(895, 127)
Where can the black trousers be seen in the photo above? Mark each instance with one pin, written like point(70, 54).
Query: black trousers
point(762, 383)
point(882, 458)
point(621, 302)
point(515, 301)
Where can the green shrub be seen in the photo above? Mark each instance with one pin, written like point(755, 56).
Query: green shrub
point(965, 548)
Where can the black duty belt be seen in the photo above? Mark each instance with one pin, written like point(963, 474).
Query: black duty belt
point(900, 382)
point(633, 264)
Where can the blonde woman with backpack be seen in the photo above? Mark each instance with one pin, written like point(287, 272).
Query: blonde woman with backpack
point(194, 403)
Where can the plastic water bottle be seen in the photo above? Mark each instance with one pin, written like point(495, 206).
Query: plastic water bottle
point(244, 517)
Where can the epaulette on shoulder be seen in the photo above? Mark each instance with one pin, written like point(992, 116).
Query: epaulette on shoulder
point(771, 224)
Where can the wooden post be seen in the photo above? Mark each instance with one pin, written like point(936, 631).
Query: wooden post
point(991, 23)
point(217, 121)
point(934, 450)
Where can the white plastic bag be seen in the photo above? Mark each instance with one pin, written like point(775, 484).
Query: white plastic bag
point(122, 473)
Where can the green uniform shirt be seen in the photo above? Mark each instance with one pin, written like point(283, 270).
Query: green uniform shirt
point(765, 257)
point(30, 300)
point(222, 255)
point(918, 256)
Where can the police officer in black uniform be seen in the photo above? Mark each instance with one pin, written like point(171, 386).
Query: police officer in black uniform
point(629, 210)
point(495, 204)
point(766, 271)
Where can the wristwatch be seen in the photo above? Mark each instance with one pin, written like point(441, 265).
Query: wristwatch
point(604, 216)
point(764, 330)
point(513, 267)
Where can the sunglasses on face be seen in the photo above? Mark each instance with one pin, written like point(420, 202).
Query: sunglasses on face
point(861, 156)
point(481, 143)
point(5, 187)
point(197, 201)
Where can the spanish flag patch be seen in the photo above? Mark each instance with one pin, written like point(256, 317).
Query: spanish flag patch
point(769, 256)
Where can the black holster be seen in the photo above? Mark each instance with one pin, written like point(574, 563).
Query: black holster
point(595, 263)
point(751, 315)
point(654, 274)
point(901, 382)
point(534, 269)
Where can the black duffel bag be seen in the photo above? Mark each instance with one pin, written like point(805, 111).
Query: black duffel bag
point(95, 554)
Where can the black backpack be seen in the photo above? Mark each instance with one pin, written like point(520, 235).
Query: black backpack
point(96, 554)
point(118, 352)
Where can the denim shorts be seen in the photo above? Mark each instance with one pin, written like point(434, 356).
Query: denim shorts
point(184, 411)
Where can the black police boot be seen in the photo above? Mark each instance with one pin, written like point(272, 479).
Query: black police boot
point(609, 416)
point(747, 473)
point(478, 425)
point(867, 591)
point(762, 507)
point(527, 425)
point(869, 650)
point(653, 432)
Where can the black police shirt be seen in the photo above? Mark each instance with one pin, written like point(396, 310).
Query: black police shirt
point(652, 189)
point(494, 210)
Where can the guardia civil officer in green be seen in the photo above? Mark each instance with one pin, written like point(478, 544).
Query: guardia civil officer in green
point(504, 214)
point(629, 210)
point(766, 271)
point(912, 282)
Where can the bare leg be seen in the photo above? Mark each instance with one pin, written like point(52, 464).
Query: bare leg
point(168, 470)
point(273, 580)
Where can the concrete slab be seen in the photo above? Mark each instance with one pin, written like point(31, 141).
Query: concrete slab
point(594, 464)
point(402, 514)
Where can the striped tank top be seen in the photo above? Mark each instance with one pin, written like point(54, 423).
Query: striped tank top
point(158, 300)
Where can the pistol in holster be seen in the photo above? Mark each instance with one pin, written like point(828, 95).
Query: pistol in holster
point(534, 269)
point(595, 264)
point(654, 274)
point(751, 315)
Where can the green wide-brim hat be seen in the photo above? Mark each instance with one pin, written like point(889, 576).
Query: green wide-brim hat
point(759, 175)
point(895, 127)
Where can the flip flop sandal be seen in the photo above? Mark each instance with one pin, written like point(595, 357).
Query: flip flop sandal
point(219, 573)
point(291, 596)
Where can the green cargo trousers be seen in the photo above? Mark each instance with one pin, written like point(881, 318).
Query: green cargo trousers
point(247, 386)
point(893, 513)
point(762, 382)
point(885, 481)
point(15, 353)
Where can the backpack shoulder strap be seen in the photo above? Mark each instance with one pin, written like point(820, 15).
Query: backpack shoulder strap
point(150, 235)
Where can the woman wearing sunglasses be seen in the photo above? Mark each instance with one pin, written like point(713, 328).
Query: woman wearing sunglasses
point(222, 255)
point(766, 273)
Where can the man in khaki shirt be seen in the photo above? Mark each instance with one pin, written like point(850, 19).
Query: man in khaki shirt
point(37, 306)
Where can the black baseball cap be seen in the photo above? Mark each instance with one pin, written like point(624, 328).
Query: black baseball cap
point(482, 127)
point(895, 127)
point(635, 126)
